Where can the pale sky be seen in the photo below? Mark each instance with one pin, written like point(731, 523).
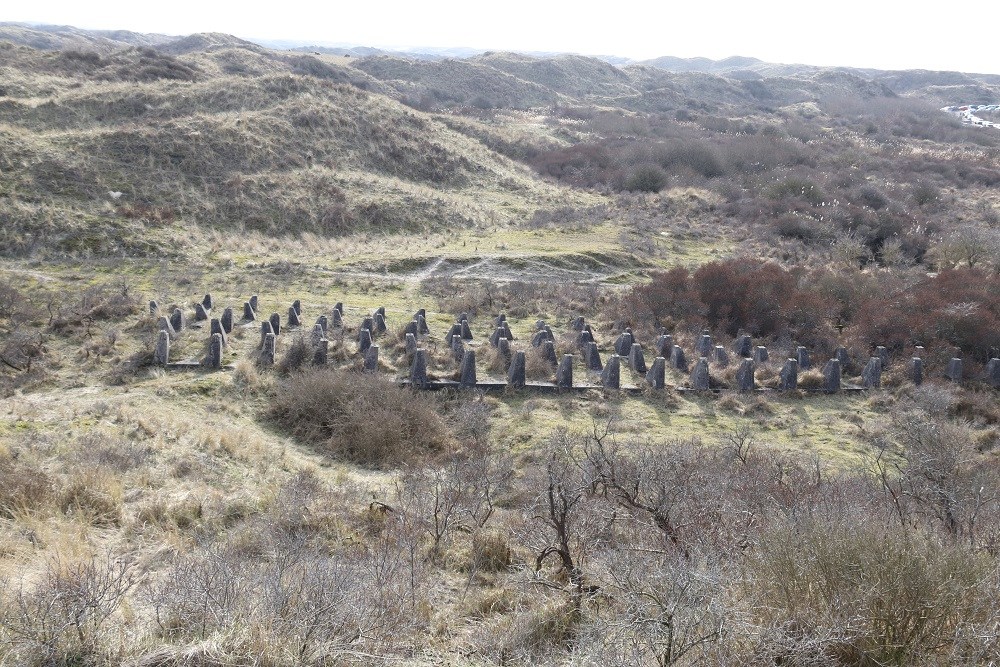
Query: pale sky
point(873, 33)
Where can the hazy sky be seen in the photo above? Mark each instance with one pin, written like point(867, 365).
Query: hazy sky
point(884, 34)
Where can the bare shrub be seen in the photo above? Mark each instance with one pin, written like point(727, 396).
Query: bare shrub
point(293, 604)
point(662, 610)
point(66, 617)
point(914, 594)
point(363, 418)
point(299, 354)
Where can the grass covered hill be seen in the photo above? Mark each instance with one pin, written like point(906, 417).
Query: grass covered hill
point(311, 509)
point(284, 145)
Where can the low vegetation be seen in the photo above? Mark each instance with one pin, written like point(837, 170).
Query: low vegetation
point(298, 514)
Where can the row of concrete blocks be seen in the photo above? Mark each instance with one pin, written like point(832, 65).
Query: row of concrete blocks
point(699, 379)
point(221, 327)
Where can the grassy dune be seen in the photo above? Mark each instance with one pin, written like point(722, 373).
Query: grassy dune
point(289, 515)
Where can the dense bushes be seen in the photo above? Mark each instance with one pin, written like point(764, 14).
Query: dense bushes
point(362, 418)
point(957, 307)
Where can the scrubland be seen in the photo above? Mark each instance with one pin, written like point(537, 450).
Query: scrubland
point(303, 515)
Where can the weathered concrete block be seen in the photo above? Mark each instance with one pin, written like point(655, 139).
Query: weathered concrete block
point(227, 320)
point(466, 330)
point(499, 320)
point(760, 355)
point(583, 338)
point(248, 312)
point(993, 373)
point(293, 317)
point(364, 340)
point(656, 377)
point(539, 325)
point(549, 352)
point(954, 370)
point(918, 351)
point(378, 320)
point(507, 333)
point(467, 372)
point(788, 378)
point(339, 306)
point(163, 324)
point(677, 359)
point(161, 355)
point(841, 355)
point(516, 374)
point(883, 354)
point(206, 302)
point(337, 318)
point(265, 329)
point(454, 332)
point(564, 374)
point(255, 302)
point(831, 376)
point(743, 346)
point(577, 323)
point(611, 375)
point(411, 328)
point(538, 338)
point(418, 370)
point(267, 350)
point(321, 352)
point(368, 323)
point(495, 337)
point(705, 346)
point(802, 357)
point(699, 375)
point(297, 307)
point(371, 359)
point(177, 320)
point(411, 343)
point(154, 308)
point(623, 345)
point(380, 311)
point(871, 376)
point(464, 317)
point(216, 328)
point(721, 356)
point(745, 375)
point(592, 357)
point(636, 359)
point(664, 345)
point(457, 348)
point(422, 327)
point(503, 347)
point(214, 359)
point(917, 371)
point(275, 321)
point(318, 334)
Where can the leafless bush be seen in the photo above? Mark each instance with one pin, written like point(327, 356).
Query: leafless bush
point(661, 610)
point(940, 481)
point(299, 354)
point(915, 593)
point(67, 616)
